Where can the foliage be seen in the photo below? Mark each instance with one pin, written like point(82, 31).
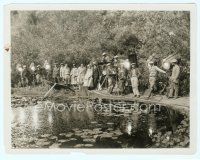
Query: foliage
point(81, 36)
point(180, 138)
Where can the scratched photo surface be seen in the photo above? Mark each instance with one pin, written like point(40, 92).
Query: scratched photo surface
point(100, 79)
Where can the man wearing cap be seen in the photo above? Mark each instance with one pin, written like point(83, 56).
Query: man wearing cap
point(174, 79)
point(153, 70)
point(134, 75)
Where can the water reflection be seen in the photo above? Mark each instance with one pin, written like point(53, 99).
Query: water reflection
point(106, 128)
point(21, 115)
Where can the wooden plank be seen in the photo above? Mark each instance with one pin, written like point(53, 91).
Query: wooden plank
point(179, 103)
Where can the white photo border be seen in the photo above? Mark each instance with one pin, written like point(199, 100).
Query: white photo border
point(139, 7)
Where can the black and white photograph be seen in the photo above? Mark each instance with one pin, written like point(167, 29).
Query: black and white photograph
point(100, 79)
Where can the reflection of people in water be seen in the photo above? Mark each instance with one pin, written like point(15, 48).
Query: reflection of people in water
point(136, 131)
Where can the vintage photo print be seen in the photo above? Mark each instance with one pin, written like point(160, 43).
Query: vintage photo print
point(85, 77)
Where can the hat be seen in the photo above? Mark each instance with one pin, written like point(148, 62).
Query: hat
point(116, 56)
point(104, 54)
point(151, 62)
point(173, 61)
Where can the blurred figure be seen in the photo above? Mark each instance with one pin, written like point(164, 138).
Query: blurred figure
point(66, 71)
point(74, 74)
point(116, 62)
point(19, 70)
point(174, 79)
point(81, 75)
point(105, 58)
point(134, 75)
point(153, 75)
point(25, 76)
point(122, 76)
point(96, 75)
point(111, 74)
point(55, 73)
point(62, 72)
point(47, 67)
point(88, 80)
point(103, 78)
point(32, 72)
point(38, 75)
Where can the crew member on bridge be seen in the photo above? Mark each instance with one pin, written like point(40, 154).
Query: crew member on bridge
point(153, 69)
point(134, 75)
point(55, 74)
point(111, 74)
point(174, 79)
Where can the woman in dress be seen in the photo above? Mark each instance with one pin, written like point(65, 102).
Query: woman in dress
point(81, 75)
point(88, 80)
point(74, 74)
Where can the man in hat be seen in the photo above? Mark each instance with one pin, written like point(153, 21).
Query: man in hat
point(153, 70)
point(134, 75)
point(105, 58)
point(174, 79)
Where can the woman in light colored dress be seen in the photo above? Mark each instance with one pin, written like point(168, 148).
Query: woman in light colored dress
point(74, 74)
point(88, 80)
point(81, 74)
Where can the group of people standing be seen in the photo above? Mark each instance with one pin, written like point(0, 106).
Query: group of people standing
point(108, 73)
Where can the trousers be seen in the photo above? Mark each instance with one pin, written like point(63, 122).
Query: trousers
point(134, 84)
point(174, 88)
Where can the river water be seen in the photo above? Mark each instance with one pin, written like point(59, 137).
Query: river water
point(91, 124)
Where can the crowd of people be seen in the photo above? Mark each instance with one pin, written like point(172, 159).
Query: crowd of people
point(108, 73)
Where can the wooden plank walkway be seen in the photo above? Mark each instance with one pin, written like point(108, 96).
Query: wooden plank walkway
point(181, 103)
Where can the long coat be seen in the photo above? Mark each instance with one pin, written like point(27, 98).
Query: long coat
point(88, 80)
point(74, 74)
point(81, 75)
